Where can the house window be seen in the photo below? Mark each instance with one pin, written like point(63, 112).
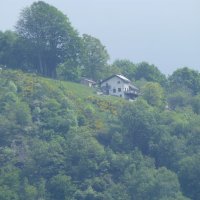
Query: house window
point(119, 89)
point(118, 82)
point(114, 90)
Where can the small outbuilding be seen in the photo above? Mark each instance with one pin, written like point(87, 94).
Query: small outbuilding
point(88, 82)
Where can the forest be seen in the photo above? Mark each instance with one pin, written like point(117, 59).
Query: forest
point(61, 141)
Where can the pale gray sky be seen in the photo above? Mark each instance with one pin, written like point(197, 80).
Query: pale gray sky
point(162, 32)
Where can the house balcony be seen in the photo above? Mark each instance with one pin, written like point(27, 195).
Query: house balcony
point(131, 94)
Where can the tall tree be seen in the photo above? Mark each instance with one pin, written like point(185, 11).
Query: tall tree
point(94, 58)
point(185, 78)
point(126, 67)
point(51, 38)
point(149, 73)
point(153, 93)
point(139, 122)
point(189, 176)
point(9, 51)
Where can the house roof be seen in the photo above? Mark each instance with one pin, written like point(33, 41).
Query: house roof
point(88, 80)
point(133, 87)
point(119, 76)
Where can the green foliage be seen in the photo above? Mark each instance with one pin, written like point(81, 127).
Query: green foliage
point(89, 111)
point(153, 184)
point(30, 192)
point(22, 114)
point(149, 73)
point(153, 93)
point(94, 57)
point(61, 141)
point(167, 150)
point(178, 99)
point(117, 192)
point(126, 67)
point(189, 176)
point(85, 155)
point(195, 103)
point(68, 73)
point(139, 122)
point(58, 140)
point(7, 194)
point(9, 50)
point(9, 183)
point(50, 37)
point(185, 78)
point(61, 187)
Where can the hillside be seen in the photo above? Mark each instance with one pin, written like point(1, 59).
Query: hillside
point(61, 141)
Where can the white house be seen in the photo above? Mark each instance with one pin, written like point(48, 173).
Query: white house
point(119, 85)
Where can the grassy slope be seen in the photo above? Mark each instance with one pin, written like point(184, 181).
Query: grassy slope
point(81, 96)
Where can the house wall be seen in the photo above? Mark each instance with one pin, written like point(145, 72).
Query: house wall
point(117, 86)
point(87, 83)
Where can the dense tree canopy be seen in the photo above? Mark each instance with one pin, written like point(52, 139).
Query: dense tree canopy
point(10, 50)
point(186, 79)
point(61, 141)
point(94, 58)
point(126, 67)
point(153, 93)
point(149, 73)
point(50, 37)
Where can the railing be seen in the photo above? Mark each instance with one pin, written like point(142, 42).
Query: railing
point(131, 92)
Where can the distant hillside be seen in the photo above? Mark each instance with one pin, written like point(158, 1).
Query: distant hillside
point(61, 141)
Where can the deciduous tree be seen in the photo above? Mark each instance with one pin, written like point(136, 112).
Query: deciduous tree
point(51, 38)
point(94, 58)
point(149, 73)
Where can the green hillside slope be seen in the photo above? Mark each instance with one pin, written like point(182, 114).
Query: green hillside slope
point(61, 141)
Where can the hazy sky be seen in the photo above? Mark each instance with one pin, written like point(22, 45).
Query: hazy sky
point(162, 32)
